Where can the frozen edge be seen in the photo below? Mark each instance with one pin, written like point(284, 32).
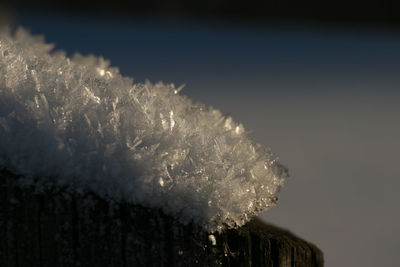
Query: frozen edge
point(89, 128)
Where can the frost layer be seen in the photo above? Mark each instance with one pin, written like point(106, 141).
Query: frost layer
point(79, 123)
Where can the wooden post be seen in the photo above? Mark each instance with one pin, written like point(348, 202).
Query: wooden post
point(56, 228)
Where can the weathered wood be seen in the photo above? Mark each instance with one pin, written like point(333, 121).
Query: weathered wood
point(57, 228)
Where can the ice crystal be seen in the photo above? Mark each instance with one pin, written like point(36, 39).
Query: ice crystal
point(78, 123)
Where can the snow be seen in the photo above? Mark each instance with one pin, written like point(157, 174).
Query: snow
point(76, 122)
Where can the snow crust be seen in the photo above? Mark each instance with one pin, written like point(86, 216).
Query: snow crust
point(76, 122)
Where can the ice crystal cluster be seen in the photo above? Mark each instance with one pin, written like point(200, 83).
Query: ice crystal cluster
point(78, 123)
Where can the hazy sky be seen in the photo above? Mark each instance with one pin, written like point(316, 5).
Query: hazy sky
point(325, 100)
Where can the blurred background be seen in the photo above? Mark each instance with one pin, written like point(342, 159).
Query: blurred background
point(318, 83)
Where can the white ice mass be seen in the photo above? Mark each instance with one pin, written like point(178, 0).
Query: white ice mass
point(76, 122)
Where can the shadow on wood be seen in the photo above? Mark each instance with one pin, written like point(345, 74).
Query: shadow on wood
point(57, 228)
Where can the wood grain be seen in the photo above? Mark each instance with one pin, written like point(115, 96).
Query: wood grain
point(59, 228)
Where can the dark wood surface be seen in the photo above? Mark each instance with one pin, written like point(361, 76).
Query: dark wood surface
point(59, 228)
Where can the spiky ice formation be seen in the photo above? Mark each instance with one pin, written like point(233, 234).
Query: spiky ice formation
point(78, 123)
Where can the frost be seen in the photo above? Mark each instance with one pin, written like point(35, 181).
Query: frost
point(77, 122)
